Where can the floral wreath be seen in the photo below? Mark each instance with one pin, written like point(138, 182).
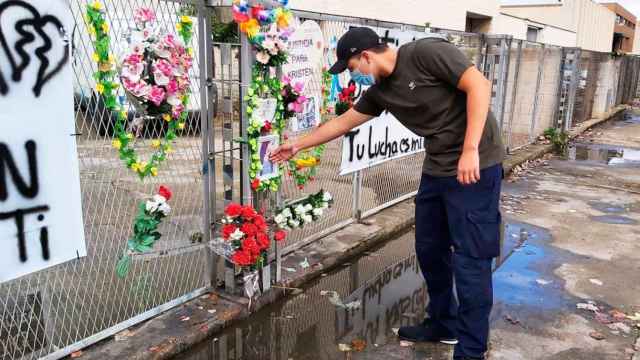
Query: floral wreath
point(145, 228)
point(154, 75)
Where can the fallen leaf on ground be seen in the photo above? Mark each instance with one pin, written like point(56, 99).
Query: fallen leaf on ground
point(358, 345)
point(344, 347)
point(76, 354)
point(618, 315)
point(596, 282)
point(212, 311)
point(597, 335)
point(512, 320)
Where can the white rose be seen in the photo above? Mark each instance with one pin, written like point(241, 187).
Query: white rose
point(237, 235)
point(308, 207)
point(151, 206)
point(279, 219)
point(262, 57)
point(324, 205)
point(307, 219)
point(317, 212)
point(164, 209)
point(287, 213)
point(300, 210)
point(326, 197)
point(294, 223)
point(159, 199)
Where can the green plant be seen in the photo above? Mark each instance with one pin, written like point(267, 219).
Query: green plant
point(559, 139)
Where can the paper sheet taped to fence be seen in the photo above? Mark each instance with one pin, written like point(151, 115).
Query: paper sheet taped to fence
point(377, 141)
point(40, 211)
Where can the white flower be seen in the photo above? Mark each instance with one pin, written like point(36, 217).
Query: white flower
point(270, 46)
point(262, 57)
point(165, 209)
point(279, 219)
point(326, 197)
point(294, 223)
point(174, 100)
point(133, 72)
point(159, 198)
point(307, 219)
point(324, 205)
point(318, 212)
point(236, 235)
point(281, 45)
point(160, 78)
point(308, 207)
point(151, 206)
point(161, 51)
point(224, 220)
point(287, 213)
point(300, 210)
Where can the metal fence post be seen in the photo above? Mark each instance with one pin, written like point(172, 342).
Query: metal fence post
point(534, 113)
point(514, 93)
point(503, 71)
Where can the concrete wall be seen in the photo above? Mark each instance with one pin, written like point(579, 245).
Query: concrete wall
point(450, 14)
point(592, 22)
point(517, 27)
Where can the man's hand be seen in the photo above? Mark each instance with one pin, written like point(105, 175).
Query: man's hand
point(469, 167)
point(283, 153)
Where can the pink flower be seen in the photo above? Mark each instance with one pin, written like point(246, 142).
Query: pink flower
point(286, 80)
point(144, 15)
point(172, 86)
point(301, 99)
point(299, 87)
point(177, 110)
point(163, 66)
point(132, 72)
point(170, 41)
point(156, 95)
point(137, 89)
point(262, 57)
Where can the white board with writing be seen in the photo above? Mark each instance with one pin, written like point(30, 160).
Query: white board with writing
point(377, 141)
point(306, 52)
point(40, 210)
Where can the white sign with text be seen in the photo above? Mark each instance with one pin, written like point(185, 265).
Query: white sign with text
point(40, 210)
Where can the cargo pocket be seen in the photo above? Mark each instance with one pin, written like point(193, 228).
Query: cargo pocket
point(483, 234)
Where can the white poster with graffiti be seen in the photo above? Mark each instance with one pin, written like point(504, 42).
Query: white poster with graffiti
point(40, 210)
point(306, 51)
point(377, 141)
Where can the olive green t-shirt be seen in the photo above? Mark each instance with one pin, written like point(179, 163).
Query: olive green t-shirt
point(422, 94)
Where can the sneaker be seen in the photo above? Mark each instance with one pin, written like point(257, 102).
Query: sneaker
point(427, 332)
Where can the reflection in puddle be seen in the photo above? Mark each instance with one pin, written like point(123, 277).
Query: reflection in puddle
point(606, 154)
point(614, 219)
point(308, 326)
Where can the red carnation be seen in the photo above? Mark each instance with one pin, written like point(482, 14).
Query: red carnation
point(280, 235)
point(255, 184)
point(164, 192)
point(249, 229)
point(233, 210)
point(248, 213)
point(250, 246)
point(241, 258)
point(263, 241)
point(260, 223)
point(227, 230)
point(267, 127)
point(352, 88)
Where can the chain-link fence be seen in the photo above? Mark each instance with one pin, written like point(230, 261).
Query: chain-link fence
point(56, 311)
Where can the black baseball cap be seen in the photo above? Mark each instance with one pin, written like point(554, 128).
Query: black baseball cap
point(352, 43)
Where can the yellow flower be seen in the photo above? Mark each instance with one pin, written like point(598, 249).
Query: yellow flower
point(251, 27)
point(283, 18)
point(308, 162)
point(116, 144)
point(166, 117)
point(185, 19)
point(179, 27)
point(92, 30)
point(97, 5)
point(105, 28)
point(181, 126)
point(190, 51)
point(129, 136)
point(124, 114)
point(100, 88)
point(155, 144)
point(168, 149)
point(136, 166)
point(95, 57)
point(111, 59)
point(154, 171)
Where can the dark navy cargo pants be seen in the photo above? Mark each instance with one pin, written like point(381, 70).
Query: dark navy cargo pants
point(457, 236)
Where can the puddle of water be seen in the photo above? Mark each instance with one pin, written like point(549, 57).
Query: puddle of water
point(605, 154)
point(607, 207)
point(614, 219)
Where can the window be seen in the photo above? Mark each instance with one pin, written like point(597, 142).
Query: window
point(532, 33)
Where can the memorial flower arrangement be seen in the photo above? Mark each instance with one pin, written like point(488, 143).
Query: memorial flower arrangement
point(145, 228)
point(303, 212)
point(155, 76)
point(246, 231)
point(292, 98)
point(345, 99)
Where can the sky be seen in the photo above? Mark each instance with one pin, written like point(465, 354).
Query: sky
point(631, 5)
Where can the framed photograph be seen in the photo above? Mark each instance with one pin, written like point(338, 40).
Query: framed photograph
point(266, 144)
point(309, 118)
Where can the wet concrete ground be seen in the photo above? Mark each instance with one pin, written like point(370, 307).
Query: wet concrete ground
point(571, 236)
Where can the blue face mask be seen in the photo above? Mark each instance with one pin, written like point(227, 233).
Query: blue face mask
point(362, 79)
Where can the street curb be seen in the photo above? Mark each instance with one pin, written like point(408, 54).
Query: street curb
point(186, 326)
